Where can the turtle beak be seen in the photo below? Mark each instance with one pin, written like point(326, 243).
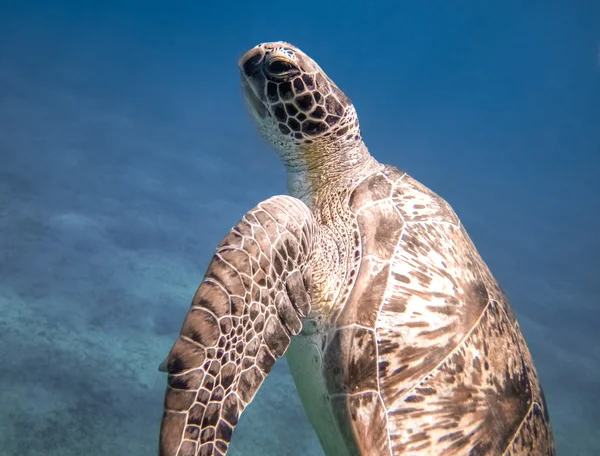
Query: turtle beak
point(250, 71)
point(253, 103)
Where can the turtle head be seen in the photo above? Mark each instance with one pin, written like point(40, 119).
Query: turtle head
point(295, 106)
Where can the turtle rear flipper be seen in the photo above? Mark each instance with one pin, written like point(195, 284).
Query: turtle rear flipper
point(241, 320)
point(162, 367)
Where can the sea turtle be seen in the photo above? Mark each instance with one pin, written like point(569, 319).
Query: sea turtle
point(399, 339)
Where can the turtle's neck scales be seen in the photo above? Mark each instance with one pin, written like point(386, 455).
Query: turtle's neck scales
point(324, 168)
point(324, 177)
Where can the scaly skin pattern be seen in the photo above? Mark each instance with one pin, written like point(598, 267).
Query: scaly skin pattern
point(400, 340)
point(241, 320)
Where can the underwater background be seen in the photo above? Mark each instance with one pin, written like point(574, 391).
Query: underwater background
point(126, 155)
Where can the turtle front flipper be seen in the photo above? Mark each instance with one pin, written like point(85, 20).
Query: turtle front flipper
point(241, 320)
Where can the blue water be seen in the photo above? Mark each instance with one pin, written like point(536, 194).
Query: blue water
point(126, 154)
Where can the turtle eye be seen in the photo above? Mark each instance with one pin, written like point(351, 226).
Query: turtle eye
point(279, 68)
